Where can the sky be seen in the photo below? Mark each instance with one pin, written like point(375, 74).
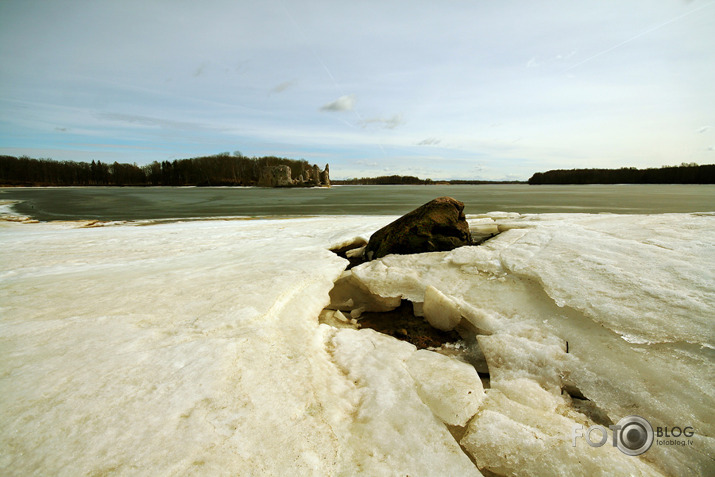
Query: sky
point(454, 89)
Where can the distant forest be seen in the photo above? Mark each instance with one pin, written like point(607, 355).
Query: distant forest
point(683, 174)
point(218, 170)
point(411, 180)
point(384, 180)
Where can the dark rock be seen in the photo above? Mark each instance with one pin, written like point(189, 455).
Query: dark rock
point(437, 226)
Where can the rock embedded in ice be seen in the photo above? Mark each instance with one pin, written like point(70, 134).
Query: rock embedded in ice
point(438, 225)
point(451, 388)
point(439, 310)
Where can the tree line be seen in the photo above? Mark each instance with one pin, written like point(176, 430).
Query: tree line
point(384, 180)
point(412, 180)
point(686, 173)
point(216, 170)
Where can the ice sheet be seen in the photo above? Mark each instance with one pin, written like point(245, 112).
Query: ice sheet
point(195, 348)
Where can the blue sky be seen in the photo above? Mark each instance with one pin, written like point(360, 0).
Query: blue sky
point(452, 89)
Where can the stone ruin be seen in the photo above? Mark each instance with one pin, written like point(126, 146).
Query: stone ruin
point(280, 176)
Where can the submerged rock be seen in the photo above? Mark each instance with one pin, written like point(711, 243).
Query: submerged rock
point(437, 226)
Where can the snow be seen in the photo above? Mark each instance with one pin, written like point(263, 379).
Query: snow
point(196, 347)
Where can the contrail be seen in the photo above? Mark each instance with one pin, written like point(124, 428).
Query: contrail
point(325, 67)
point(650, 30)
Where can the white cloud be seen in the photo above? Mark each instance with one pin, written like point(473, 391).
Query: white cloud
point(343, 103)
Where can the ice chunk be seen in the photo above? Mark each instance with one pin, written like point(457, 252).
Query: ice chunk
point(529, 393)
point(625, 270)
point(484, 321)
point(503, 215)
point(348, 245)
point(356, 252)
point(511, 439)
point(451, 388)
point(393, 432)
point(484, 229)
point(334, 318)
point(439, 310)
point(348, 294)
point(511, 357)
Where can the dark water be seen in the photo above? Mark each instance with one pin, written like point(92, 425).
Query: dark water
point(136, 203)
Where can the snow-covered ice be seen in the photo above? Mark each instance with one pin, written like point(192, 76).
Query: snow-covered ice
point(196, 348)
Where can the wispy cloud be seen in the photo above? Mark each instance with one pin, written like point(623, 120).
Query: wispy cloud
point(536, 62)
point(387, 123)
point(149, 121)
point(343, 103)
point(533, 63)
point(282, 87)
point(642, 33)
point(430, 141)
point(704, 129)
point(200, 70)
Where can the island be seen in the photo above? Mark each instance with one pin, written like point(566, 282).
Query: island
point(222, 169)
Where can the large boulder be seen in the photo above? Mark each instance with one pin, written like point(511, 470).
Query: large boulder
point(437, 226)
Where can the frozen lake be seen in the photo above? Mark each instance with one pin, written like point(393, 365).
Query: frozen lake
point(207, 348)
point(136, 203)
